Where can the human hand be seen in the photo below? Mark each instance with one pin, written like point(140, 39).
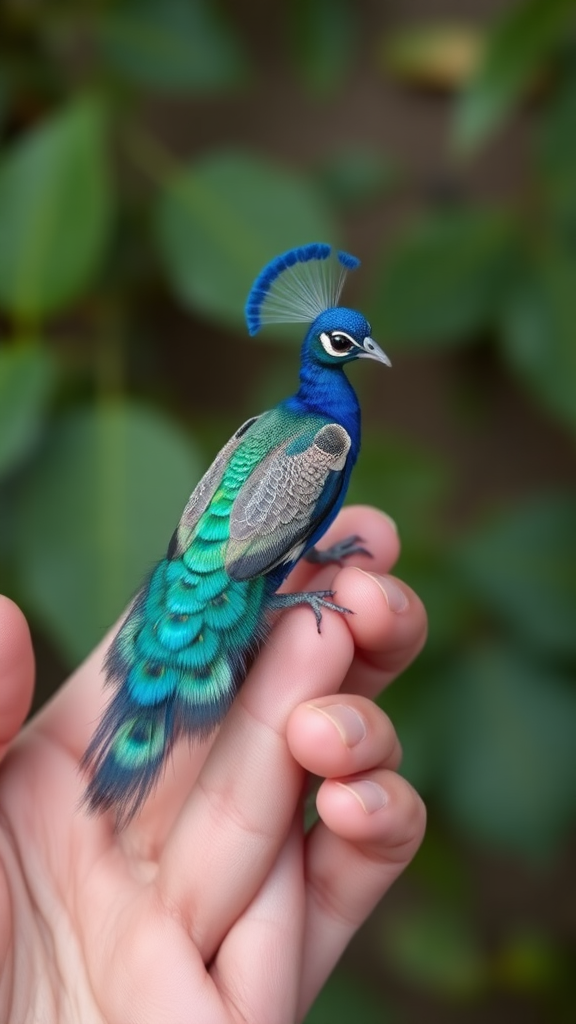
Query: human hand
point(212, 905)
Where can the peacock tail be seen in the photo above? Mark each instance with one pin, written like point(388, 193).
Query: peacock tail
point(181, 653)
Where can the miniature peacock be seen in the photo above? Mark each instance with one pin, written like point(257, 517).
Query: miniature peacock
point(182, 651)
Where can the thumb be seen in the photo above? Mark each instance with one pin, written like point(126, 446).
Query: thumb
point(16, 672)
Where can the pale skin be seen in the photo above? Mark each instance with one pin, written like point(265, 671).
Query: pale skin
point(212, 905)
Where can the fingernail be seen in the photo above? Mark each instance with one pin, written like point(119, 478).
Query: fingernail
point(395, 597)
point(391, 521)
point(369, 795)
point(348, 722)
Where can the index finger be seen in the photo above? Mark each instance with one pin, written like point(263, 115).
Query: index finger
point(389, 628)
point(16, 671)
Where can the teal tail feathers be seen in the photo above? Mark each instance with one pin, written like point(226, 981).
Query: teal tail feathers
point(175, 664)
point(126, 756)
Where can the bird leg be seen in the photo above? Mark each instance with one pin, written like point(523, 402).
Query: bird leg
point(337, 552)
point(316, 599)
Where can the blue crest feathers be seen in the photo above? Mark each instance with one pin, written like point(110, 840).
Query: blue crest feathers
point(298, 286)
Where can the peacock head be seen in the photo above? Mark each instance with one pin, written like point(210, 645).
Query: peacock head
point(340, 335)
point(304, 285)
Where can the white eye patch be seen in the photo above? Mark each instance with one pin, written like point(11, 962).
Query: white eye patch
point(337, 343)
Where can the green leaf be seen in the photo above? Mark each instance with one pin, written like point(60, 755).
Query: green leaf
point(556, 154)
point(407, 482)
point(221, 220)
point(172, 46)
point(322, 34)
point(345, 998)
point(520, 566)
point(416, 708)
point(435, 948)
point(27, 378)
point(538, 330)
point(353, 178)
point(5, 95)
point(556, 139)
point(98, 508)
point(55, 211)
point(444, 278)
point(509, 751)
point(515, 50)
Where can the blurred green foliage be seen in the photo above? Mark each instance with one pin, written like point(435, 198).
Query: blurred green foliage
point(55, 211)
point(215, 220)
point(172, 46)
point(98, 218)
point(444, 278)
point(517, 46)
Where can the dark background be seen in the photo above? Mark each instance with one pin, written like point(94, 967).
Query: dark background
point(155, 154)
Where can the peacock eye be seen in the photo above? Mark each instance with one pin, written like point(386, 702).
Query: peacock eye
point(341, 342)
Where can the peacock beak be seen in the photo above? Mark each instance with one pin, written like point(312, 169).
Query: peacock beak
point(373, 351)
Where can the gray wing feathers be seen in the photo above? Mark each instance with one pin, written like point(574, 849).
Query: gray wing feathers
point(204, 492)
point(276, 504)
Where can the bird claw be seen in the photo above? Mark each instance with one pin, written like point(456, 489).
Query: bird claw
point(336, 553)
point(316, 599)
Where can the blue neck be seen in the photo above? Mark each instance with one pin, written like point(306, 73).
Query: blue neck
point(326, 390)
